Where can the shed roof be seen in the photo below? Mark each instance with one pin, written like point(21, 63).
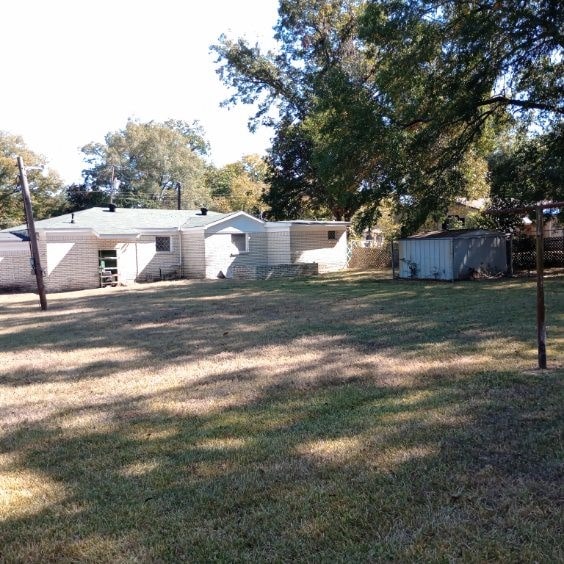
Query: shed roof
point(457, 234)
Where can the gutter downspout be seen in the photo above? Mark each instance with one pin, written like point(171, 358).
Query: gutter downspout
point(136, 260)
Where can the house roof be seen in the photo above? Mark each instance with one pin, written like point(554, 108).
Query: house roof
point(12, 238)
point(456, 234)
point(130, 222)
point(220, 218)
point(125, 220)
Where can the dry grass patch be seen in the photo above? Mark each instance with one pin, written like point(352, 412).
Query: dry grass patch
point(345, 417)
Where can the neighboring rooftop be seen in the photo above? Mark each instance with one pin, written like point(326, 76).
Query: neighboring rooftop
point(124, 220)
point(477, 204)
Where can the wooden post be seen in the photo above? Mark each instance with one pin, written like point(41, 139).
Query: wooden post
point(32, 235)
point(541, 325)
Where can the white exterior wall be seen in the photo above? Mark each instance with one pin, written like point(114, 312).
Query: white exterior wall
point(193, 254)
point(152, 264)
point(70, 258)
point(221, 255)
point(70, 261)
point(278, 246)
point(429, 258)
point(15, 267)
point(310, 243)
point(127, 260)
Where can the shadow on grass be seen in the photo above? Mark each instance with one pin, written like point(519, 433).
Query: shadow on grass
point(192, 320)
point(339, 470)
point(322, 419)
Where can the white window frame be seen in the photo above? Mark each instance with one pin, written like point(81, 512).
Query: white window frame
point(235, 249)
point(169, 244)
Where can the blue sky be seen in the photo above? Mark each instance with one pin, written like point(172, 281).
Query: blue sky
point(80, 69)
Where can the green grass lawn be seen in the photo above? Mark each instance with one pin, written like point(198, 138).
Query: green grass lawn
point(344, 418)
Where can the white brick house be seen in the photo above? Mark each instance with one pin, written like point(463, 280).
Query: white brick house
point(147, 244)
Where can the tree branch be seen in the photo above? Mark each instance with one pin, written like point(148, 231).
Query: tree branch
point(521, 104)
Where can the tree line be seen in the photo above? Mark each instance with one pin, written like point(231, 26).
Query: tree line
point(143, 165)
point(416, 102)
point(401, 105)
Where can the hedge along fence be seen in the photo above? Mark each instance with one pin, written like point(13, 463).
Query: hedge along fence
point(366, 258)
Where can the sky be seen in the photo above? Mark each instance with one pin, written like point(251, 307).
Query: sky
point(75, 70)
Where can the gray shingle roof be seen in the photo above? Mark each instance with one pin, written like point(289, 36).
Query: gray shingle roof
point(11, 238)
point(126, 220)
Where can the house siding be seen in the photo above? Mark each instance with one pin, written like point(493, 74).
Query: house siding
point(311, 244)
point(220, 257)
point(70, 254)
point(193, 254)
point(70, 261)
point(15, 269)
point(153, 265)
point(278, 247)
point(240, 224)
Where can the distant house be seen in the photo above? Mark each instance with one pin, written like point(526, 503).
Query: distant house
point(458, 214)
point(452, 255)
point(551, 227)
point(111, 245)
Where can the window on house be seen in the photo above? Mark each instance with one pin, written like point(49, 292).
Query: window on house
point(239, 243)
point(162, 244)
point(331, 235)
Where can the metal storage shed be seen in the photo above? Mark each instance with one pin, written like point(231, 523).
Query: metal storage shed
point(452, 255)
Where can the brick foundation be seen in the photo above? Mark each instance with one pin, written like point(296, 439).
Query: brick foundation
point(266, 272)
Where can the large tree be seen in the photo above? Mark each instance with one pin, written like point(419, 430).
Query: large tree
point(327, 151)
point(46, 189)
point(395, 97)
point(449, 70)
point(451, 63)
point(528, 169)
point(239, 186)
point(148, 160)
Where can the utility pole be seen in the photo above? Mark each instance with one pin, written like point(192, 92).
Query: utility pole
point(36, 260)
point(178, 195)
